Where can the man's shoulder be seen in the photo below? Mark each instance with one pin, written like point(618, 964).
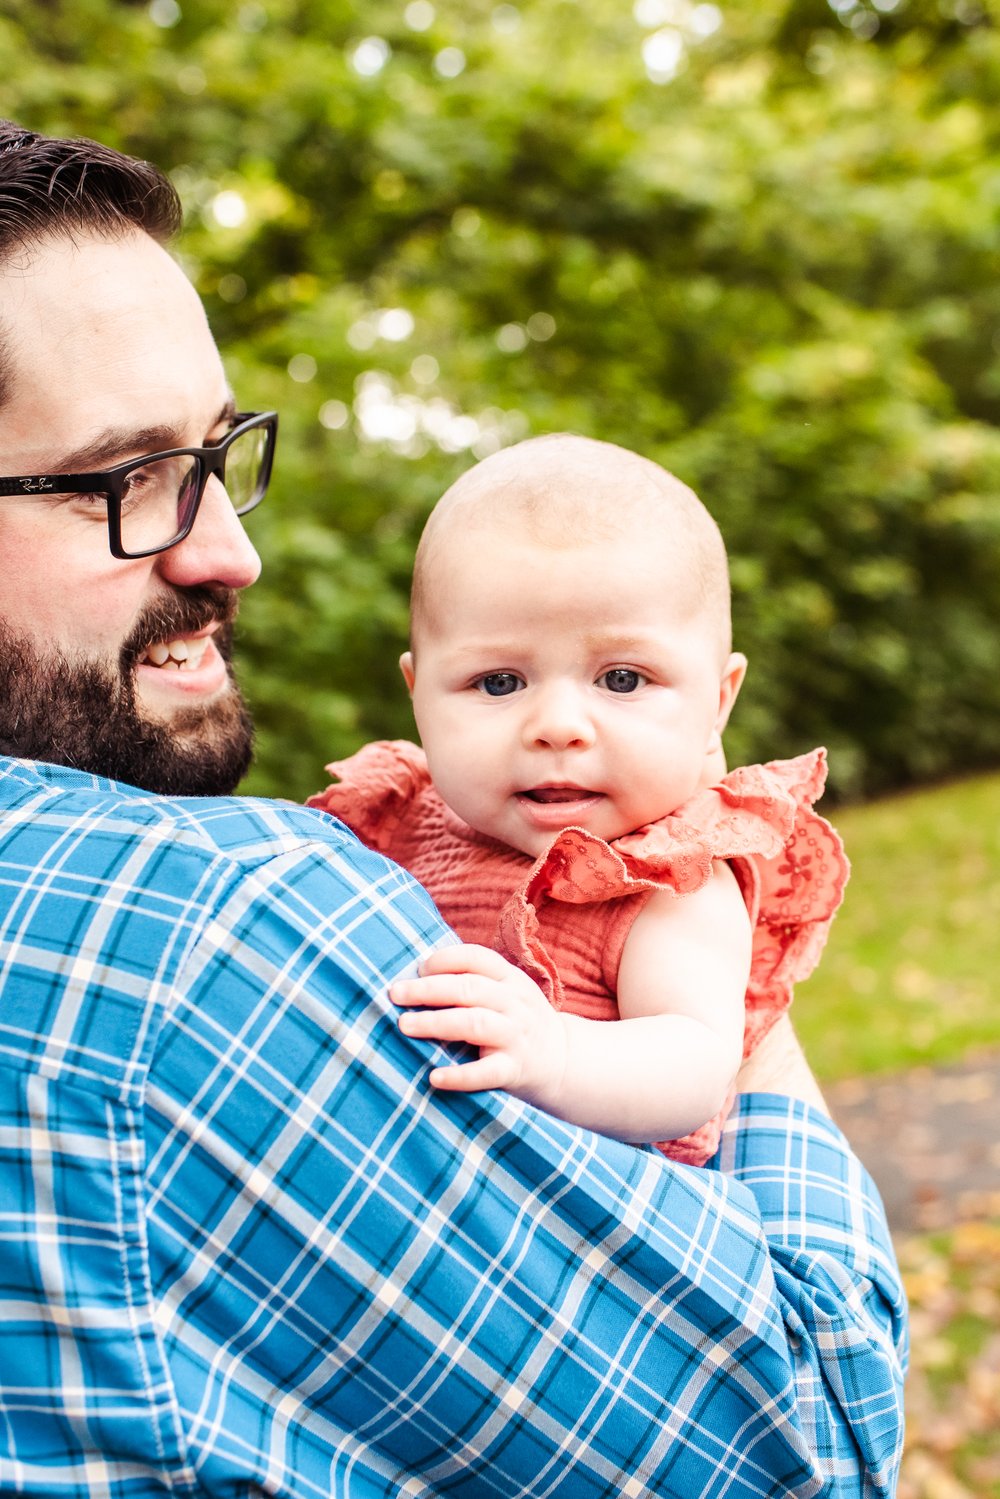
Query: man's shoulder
point(121, 908)
point(245, 829)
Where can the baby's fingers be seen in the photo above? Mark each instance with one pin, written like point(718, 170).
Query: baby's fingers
point(476, 1027)
point(447, 989)
point(494, 1071)
point(467, 957)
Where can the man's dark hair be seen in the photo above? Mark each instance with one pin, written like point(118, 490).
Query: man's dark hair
point(50, 187)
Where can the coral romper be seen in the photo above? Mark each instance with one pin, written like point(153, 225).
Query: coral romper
point(564, 917)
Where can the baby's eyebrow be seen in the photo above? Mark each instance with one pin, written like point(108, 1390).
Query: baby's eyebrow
point(482, 648)
point(610, 641)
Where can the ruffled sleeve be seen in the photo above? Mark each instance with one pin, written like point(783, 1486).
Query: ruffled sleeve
point(796, 895)
point(374, 789)
point(789, 861)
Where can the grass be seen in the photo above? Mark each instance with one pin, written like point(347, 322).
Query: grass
point(911, 977)
point(911, 972)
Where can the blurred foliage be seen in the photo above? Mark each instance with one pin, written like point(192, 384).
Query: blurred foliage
point(759, 243)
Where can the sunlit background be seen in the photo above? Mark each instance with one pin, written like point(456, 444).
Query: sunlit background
point(758, 241)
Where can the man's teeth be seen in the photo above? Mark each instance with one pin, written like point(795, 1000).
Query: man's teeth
point(175, 655)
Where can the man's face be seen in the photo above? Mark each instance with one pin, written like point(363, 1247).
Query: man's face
point(117, 667)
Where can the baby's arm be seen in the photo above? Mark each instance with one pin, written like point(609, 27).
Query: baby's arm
point(683, 978)
point(661, 1071)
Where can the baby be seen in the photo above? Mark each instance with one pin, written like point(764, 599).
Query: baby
point(571, 673)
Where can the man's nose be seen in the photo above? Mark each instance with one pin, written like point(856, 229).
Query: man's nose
point(558, 718)
point(217, 549)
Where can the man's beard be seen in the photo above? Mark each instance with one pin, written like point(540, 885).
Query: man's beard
point(87, 716)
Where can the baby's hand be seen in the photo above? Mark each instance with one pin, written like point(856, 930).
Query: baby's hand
point(472, 994)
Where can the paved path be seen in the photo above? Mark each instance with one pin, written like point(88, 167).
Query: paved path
point(930, 1138)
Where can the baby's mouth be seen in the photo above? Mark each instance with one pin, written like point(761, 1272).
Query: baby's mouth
point(182, 654)
point(554, 794)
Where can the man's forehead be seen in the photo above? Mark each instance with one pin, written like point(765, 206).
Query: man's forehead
point(85, 276)
point(102, 336)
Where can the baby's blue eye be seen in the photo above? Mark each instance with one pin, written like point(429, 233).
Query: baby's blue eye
point(622, 679)
point(499, 683)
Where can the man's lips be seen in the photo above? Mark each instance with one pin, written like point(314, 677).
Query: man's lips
point(175, 633)
point(182, 652)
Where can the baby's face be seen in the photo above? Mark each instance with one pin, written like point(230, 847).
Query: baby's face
point(559, 687)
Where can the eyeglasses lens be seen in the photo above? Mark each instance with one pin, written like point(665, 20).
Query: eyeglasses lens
point(245, 468)
point(159, 497)
point(157, 500)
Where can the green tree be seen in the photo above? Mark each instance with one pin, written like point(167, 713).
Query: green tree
point(758, 243)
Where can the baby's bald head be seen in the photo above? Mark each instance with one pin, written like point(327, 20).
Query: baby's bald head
point(565, 491)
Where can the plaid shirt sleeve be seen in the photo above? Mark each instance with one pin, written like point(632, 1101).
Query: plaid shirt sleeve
point(246, 1250)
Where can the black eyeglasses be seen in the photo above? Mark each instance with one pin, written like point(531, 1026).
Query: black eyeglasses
point(152, 501)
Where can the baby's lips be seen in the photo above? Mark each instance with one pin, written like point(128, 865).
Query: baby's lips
point(555, 794)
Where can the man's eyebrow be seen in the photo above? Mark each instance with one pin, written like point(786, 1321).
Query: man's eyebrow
point(119, 444)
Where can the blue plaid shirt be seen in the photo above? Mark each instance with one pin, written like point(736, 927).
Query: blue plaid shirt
point(246, 1250)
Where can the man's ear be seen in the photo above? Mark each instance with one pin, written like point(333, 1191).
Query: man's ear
point(406, 667)
point(730, 683)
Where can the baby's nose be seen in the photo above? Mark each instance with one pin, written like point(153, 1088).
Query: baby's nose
point(559, 719)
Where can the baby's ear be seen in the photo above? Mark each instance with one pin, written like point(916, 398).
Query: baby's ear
point(730, 683)
point(406, 667)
